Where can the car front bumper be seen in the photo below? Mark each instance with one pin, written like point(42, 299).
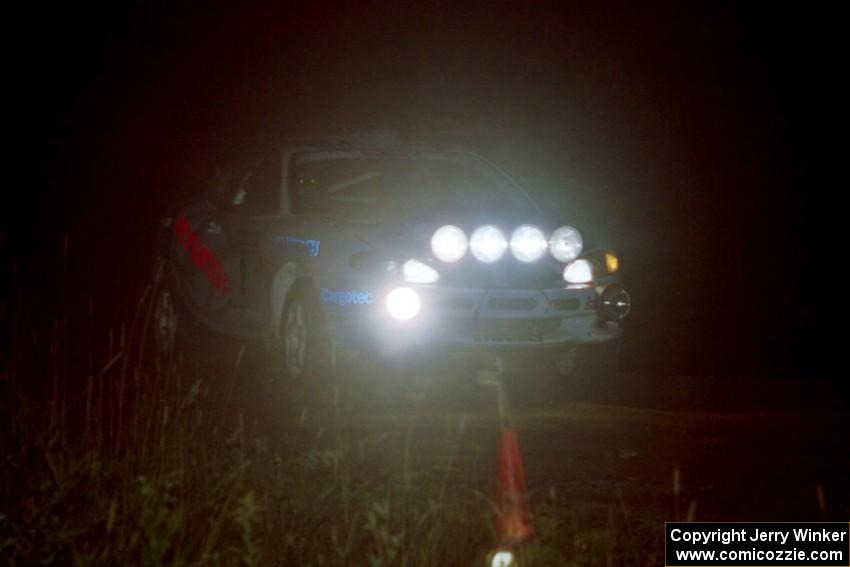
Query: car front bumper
point(474, 318)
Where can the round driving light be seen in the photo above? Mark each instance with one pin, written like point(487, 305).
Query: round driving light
point(488, 243)
point(566, 244)
point(579, 272)
point(614, 303)
point(528, 243)
point(403, 303)
point(449, 243)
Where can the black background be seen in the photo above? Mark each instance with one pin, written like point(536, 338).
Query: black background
point(704, 140)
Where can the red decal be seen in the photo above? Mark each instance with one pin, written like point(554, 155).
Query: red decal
point(182, 230)
point(201, 256)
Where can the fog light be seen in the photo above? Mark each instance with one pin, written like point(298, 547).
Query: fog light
point(614, 303)
point(403, 303)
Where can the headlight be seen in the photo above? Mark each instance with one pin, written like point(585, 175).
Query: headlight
point(403, 303)
point(449, 243)
point(579, 272)
point(488, 243)
point(528, 243)
point(566, 244)
point(415, 271)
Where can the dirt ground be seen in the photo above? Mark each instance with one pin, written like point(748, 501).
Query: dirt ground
point(755, 449)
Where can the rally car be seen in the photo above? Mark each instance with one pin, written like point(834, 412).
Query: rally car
point(328, 245)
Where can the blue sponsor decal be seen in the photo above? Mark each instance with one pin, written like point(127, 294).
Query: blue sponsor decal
point(353, 297)
point(299, 246)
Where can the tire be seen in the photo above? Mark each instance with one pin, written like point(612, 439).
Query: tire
point(172, 332)
point(303, 355)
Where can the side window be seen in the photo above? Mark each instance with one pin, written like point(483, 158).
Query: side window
point(251, 190)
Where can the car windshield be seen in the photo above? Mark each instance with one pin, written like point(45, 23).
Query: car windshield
point(363, 186)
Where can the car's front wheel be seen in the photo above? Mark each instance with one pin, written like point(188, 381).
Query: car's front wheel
point(303, 340)
point(303, 352)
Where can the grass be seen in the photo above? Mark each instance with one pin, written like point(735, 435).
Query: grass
point(115, 457)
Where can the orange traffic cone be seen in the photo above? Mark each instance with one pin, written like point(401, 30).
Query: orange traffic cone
point(514, 525)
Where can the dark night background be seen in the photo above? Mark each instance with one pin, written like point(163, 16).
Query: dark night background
point(695, 136)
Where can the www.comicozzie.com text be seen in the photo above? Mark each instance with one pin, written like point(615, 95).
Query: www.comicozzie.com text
point(780, 536)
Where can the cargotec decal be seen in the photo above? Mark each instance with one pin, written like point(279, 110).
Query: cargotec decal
point(347, 297)
point(299, 246)
point(201, 256)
